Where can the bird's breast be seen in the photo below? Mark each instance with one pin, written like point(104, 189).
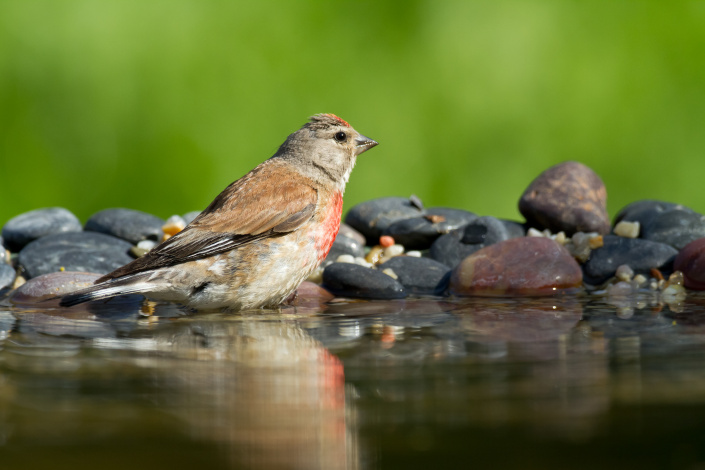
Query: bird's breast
point(329, 226)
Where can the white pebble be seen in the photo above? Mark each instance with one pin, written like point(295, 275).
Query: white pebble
point(532, 232)
point(414, 253)
point(394, 250)
point(176, 220)
point(560, 237)
point(146, 244)
point(345, 259)
point(363, 262)
point(639, 280)
point(624, 272)
point(627, 229)
point(390, 273)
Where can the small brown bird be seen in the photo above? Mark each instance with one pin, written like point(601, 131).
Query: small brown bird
point(260, 238)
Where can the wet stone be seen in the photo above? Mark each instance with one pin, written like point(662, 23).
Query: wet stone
point(520, 266)
point(372, 217)
point(352, 280)
point(640, 255)
point(50, 285)
point(7, 276)
point(676, 227)
point(347, 231)
point(309, 294)
point(419, 233)
point(646, 210)
point(452, 248)
point(82, 251)
point(419, 275)
point(344, 245)
point(691, 262)
point(568, 197)
point(128, 224)
point(27, 227)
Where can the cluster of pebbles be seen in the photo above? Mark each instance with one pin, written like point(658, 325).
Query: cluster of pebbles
point(393, 247)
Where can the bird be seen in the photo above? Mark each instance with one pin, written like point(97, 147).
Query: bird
point(261, 236)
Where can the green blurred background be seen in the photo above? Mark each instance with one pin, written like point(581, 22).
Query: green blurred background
point(158, 105)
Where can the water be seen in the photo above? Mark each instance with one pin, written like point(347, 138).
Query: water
point(574, 382)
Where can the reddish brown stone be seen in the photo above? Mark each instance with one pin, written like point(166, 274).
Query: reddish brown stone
point(520, 266)
point(41, 288)
point(568, 197)
point(691, 262)
point(310, 294)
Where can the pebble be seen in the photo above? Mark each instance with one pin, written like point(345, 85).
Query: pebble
point(646, 209)
point(7, 276)
point(641, 255)
point(311, 295)
point(128, 224)
point(419, 275)
point(51, 285)
point(452, 248)
point(520, 266)
point(691, 262)
point(346, 245)
point(627, 229)
point(30, 226)
point(567, 197)
point(371, 218)
point(419, 233)
point(676, 227)
point(352, 280)
point(80, 251)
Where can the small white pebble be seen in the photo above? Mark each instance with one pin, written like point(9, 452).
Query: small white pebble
point(653, 284)
point(624, 272)
point(560, 237)
point(627, 229)
point(414, 253)
point(363, 262)
point(390, 273)
point(394, 250)
point(176, 220)
point(146, 244)
point(345, 259)
point(640, 280)
point(532, 232)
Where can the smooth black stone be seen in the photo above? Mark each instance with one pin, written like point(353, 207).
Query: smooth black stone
point(83, 251)
point(371, 218)
point(345, 246)
point(419, 275)
point(645, 210)
point(452, 248)
point(352, 280)
point(455, 218)
point(676, 227)
point(417, 233)
point(128, 224)
point(7, 276)
point(27, 227)
point(641, 255)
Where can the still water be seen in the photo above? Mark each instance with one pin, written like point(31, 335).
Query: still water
point(571, 382)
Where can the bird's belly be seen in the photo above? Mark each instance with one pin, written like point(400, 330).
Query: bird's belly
point(263, 275)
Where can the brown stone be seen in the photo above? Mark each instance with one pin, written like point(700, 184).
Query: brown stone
point(691, 262)
point(519, 266)
point(46, 286)
point(568, 197)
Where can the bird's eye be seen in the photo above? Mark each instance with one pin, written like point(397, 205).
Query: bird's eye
point(340, 136)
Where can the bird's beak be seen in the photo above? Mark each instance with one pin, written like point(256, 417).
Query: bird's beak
point(363, 143)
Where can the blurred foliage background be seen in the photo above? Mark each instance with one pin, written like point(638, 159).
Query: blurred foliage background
point(158, 105)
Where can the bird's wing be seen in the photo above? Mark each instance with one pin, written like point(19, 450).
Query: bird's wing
point(256, 206)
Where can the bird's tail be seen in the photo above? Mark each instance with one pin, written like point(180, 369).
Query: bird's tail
point(105, 290)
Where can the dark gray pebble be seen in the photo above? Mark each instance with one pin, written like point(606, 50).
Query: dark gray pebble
point(645, 210)
point(24, 228)
point(419, 233)
point(452, 248)
point(372, 217)
point(419, 275)
point(344, 245)
point(676, 227)
point(7, 276)
point(82, 251)
point(641, 255)
point(352, 280)
point(128, 224)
